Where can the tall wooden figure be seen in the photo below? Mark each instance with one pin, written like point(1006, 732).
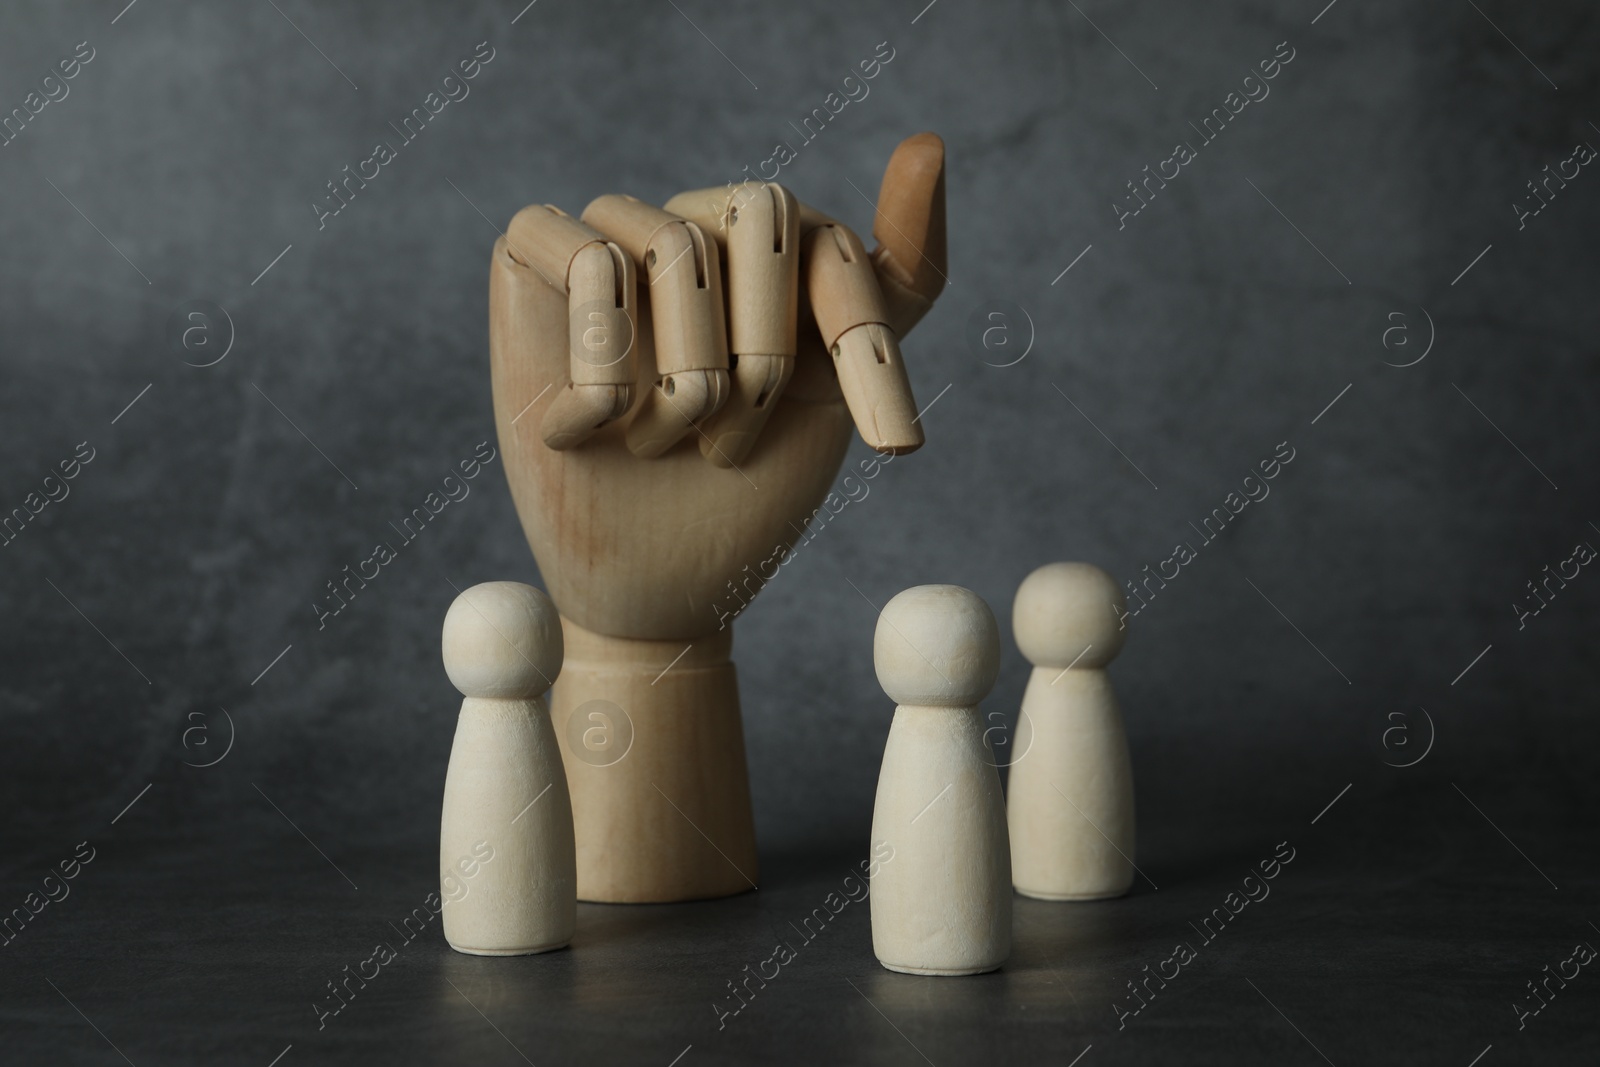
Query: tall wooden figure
point(675, 389)
point(941, 897)
point(1070, 795)
point(507, 868)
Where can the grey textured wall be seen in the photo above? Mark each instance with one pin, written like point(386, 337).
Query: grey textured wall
point(1222, 319)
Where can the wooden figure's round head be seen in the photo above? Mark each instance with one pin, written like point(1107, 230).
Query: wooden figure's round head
point(1069, 614)
point(937, 645)
point(503, 640)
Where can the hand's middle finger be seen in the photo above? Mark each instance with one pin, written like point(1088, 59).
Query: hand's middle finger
point(759, 225)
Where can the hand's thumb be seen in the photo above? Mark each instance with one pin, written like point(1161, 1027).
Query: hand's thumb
point(910, 223)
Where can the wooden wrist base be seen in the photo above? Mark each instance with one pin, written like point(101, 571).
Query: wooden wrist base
point(653, 747)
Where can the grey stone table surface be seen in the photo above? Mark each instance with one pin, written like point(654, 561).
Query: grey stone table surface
point(1400, 929)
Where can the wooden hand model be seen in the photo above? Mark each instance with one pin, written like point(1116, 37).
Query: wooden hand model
point(674, 391)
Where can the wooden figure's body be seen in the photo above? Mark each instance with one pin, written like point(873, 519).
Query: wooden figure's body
point(662, 462)
point(506, 857)
point(1069, 804)
point(941, 899)
point(507, 866)
point(942, 903)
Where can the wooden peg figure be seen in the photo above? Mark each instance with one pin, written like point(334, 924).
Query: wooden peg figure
point(507, 862)
point(1070, 795)
point(941, 895)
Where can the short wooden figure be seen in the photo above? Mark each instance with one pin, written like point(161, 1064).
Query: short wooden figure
point(941, 895)
point(508, 874)
point(1070, 794)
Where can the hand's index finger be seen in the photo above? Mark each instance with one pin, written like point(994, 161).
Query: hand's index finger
point(854, 321)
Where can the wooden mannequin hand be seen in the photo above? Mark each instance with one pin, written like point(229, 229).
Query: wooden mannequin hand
point(647, 471)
